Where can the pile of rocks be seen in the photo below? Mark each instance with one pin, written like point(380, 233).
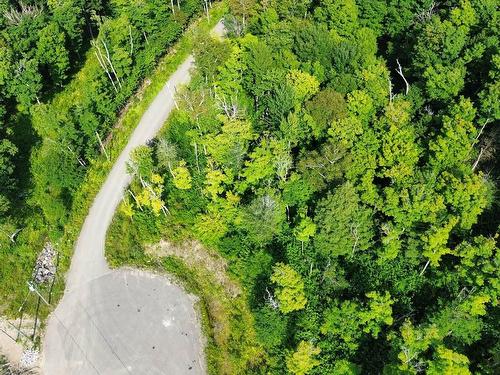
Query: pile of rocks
point(29, 358)
point(45, 267)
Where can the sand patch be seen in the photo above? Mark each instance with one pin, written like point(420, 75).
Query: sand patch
point(193, 254)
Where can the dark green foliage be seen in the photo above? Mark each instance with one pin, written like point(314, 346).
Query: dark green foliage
point(339, 154)
point(271, 327)
point(326, 107)
point(345, 226)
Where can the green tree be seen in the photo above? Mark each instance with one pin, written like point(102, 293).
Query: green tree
point(444, 82)
point(372, 14)
point(261, 165)
point(271, 327)
point(342, 322)
point(228, 147)
point(214, 182)
point(468, 197)
point(347, 321)
point(290, 290)
point(400, 151)
point(26, 82)
point(477, 265)
point(325, 107)
point(5, 62)
point(209, 54)
point(453, 144)
point(341, 16)
point(303, 84)
point(379, 312)
point(181, 176)
point(305, 229)
point(436, 240)
point(448, 362)
point(303, 360)
point(52, 53)
point(141, 161)
point(345, 225)
point(7, 152)
point(288, 8)
point(344, 367)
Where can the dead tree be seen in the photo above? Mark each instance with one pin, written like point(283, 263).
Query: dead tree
point(399, 70)
point(390, 90)
point(425, 267)
point(355, 235)
point(474, 166)
point(206, 9)
point(147, 186)
point(475, 141)
point(108, 58)
point(283, 165)
point(172, 96)
point(131, 40)
point(102, 63)
point(102, 146)
point(425, 15)
point(14, 234)
point(271, 300)
point(135, 199)
point(166, 153)
point(230, 109)
point(80, 160)
point(15, 17)
point(195, 145)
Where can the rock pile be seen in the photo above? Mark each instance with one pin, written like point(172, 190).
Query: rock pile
point(45, 267)
point(29, 358)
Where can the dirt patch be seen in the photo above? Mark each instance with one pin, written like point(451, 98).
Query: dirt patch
point(193, 254)
point(11, 349)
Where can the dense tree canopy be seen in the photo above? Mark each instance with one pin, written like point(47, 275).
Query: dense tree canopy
point(340, 154)
point(353, 142)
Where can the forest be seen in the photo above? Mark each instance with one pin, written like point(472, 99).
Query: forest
point(67, 71)
point(339, 155)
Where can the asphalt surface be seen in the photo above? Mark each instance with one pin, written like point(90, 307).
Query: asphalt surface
point(123, 321)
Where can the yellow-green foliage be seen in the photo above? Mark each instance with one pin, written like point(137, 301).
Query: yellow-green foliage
point(290, 292)
point(303, 360)
point(182, 177)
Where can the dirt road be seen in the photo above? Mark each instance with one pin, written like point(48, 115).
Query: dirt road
point(123, 321)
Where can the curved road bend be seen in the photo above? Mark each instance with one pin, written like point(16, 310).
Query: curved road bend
point(123, 321)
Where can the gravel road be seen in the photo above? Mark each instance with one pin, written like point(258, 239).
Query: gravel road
point(123, 321)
